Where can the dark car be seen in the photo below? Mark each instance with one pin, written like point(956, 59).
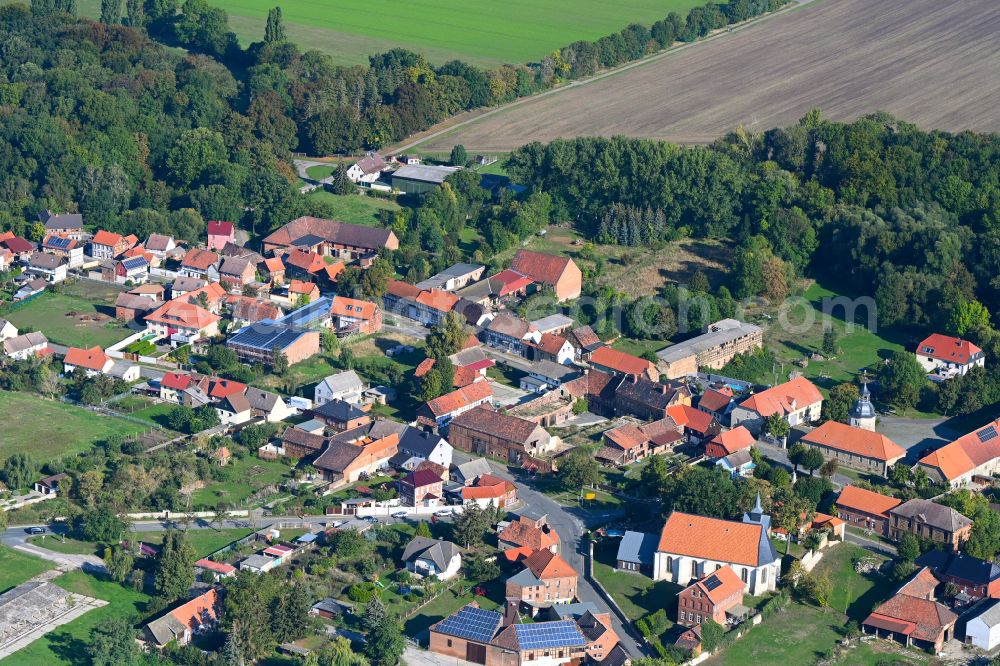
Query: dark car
point(35, 530)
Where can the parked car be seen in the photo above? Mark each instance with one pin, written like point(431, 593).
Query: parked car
point(400, 514)
point(370, 519)
point(35, 530)
point(443, 513)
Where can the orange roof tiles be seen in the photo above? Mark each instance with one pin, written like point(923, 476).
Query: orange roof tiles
point(626, 436)
point(734, 440)
point(108, 238)
point(913, 611)
point(523, 532)
point(459, 398)
point(546, 565)
point(551, 344)
point(711, 539)
point(947, 348)
point(424, 367)
point(223, 388)
point(91, 359)
point(487, 487)
point(541, 267)
point(199, 259)
point(856, 441)
point(274, 265)
point(866, 501)
point(352, 307)
point(301, 287)
point(442, 301)
point(689, 417)
point(965, 453)
point(621, 362)
point(309, 262)
point(716, 400)
point(784, 398)
point(729, 584)
point(465, 376)
point(179, 313)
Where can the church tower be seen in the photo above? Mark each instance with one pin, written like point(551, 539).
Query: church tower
point(863, 412)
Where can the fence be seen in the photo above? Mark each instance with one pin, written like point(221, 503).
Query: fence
point(626, 622)
point(16, 305)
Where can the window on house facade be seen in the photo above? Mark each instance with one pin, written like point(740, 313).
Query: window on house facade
point(745, 575)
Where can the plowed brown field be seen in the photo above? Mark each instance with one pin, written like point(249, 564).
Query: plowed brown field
point(935, 63)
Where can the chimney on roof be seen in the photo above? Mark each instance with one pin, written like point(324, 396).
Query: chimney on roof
point(510, 612)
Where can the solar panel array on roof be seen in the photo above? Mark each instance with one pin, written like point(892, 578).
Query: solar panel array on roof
point(309, 240)
point(987, 433)
point(59, 242)
point(712, 582)
point(133, 263)
point(266, 335)
point(470, 623)
point(309, 313)
point(544, 635)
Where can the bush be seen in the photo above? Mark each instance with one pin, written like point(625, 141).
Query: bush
point(653, 624)
point(361, 593)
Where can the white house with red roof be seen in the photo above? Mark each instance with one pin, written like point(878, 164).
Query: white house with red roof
point(798, 401)
point(220, 233)
point(946, 356)
point(693, 546)
point(92, 361)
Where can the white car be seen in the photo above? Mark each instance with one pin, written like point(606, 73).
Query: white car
point(400, 514)
point(443, 513)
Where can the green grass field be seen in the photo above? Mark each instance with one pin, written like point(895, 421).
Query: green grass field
point(485, 32)
point(54, 429)
point(246, 477)
point(17, 567)
point(205, 542)
point(355, 208)
point(81, 315)
point(68, 643)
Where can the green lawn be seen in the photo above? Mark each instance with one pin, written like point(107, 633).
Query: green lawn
point(245, 477)
point(205, 542)
point(486, 32)
point(17, 567)
point(68, 643)
point(637, 595)
point(321, 171)
point(354, 208)
point(54, 429)
point(82, 315)
point(638, 347)
point(802, 631)
point(858, 346)
point(67, 545)
point(442, 607)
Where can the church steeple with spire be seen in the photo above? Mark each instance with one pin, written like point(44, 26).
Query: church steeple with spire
point(862, 414)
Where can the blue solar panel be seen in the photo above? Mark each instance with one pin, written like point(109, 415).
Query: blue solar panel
point(59, 243)
point(266, 335)
point(308, 313)
point(542, 635)
point(987, 433)
point(474, 624)
point(134, 262)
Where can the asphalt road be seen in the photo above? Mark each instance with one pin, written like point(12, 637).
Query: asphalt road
point(570, 529)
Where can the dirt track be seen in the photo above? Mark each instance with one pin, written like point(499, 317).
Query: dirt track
point(933, 63)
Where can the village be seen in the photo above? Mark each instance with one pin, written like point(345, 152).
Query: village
point(528, 493)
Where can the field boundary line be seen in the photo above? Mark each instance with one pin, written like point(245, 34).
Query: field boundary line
point(416, 143)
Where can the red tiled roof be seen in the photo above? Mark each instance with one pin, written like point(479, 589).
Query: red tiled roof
point(352, 307)
point(176, 380)
point(545, 565)
point(216, 228)
point(621, 362)
point(274, 264)
point(779, 399)
point(223, 388)
point(551, 344)
point(512, 281)
point(734, 440)
point(459, 398)
point(217, 567)
point(91, 359)
point(966, 453)
point(691, 418)
point(442, 301)
point(716, 400)
point(947, 348)
point(714, 539)
point(199, 259)
point(728, 584)
point(465, 376)
point(424, 367)
point(866, 501)
point(422, 477)
point(309, 262)
point(917, 616)
point(523, 532)
point(301, 287)
point(547, 268)
point(626, 436)
point(855, 441)
point(487, 486)
point(108, 238)
point(179, 313)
